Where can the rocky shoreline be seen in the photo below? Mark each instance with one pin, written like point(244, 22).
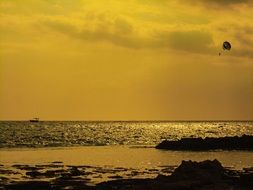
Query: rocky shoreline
point(206, 175)
point(189, 175)
point(244, 142)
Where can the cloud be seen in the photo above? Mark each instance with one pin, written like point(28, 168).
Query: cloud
point(225, 1)
point(152, 26)
point(117, 31)
point(218, 2)
point(192, 41)
point(121, 32)
point(219, 5)
point(240, 35)
point(244, 35)
point(245, 41)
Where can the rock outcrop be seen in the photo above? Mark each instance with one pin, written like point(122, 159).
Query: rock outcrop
point(190, 175)
point(206, 175)
point(244, 142)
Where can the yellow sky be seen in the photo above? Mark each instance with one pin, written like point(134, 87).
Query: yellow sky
point(126, 60)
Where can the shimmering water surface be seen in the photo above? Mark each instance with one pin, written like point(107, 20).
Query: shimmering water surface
point(83, 133)
point(109, 149)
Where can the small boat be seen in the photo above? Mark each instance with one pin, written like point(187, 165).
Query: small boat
point(36, 119)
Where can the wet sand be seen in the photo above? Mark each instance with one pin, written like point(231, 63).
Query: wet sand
point(98, 164)
point(120, 156)
point(57, 175)
point(90, 174)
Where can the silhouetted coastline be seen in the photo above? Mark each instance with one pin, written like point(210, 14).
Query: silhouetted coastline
point(43, 169)
point(189, 175)
point(244, 142)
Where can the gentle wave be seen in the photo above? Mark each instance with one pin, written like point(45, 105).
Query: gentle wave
point(84, 133)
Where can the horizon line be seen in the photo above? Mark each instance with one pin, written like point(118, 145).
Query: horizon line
point(153, 120)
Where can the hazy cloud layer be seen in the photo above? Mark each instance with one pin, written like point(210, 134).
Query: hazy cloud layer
point(150, 25)
point(191, 41)
point(117, 31)
point(126, 59)
point(122, 33)
point(223, 3)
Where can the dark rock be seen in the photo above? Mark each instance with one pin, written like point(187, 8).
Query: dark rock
point(153, 170)
point(190, 175)
point(47, 174)
point(54, 173)
point(206, 175)
point(42, 166)
point(3, 179)
point(25, 167)
point(249, 170)
point(123, 184)
point(34, 174)
point(8, 172)
point(246, 179)
point(116, 177)
point(210, 171)
point(76, 172)
point(225, 143)
point(57, 162)
point(44, 185)
point(31, 185)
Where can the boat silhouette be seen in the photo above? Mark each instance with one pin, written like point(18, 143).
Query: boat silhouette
point(36, 119)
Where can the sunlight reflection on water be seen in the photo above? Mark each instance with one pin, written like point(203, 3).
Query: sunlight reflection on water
point(78, 133)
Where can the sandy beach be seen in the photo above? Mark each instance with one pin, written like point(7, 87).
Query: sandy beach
point(104, 163)
point(119, 156)
point(84, 155)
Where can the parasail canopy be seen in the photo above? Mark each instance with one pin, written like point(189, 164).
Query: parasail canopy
point(226, 45)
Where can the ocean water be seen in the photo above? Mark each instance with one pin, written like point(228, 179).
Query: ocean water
point(113, 145)
point(15, 134)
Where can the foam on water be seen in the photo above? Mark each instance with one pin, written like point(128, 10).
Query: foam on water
point(83, 133)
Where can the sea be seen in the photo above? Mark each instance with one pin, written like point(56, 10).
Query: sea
point(129, 144)
point(16, 134)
